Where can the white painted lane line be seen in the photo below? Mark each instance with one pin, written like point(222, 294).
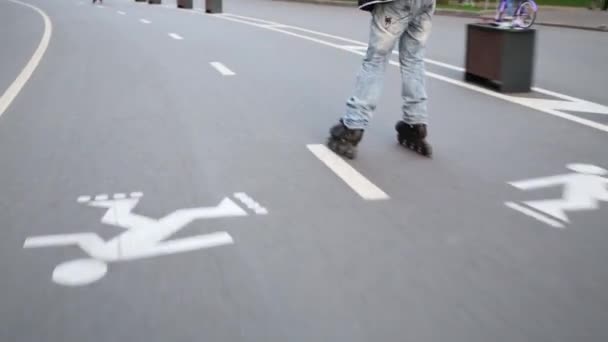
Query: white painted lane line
point(121, 12)
point(533, 214)
point(222, 69)
point(101, 6)
point(361, 185)
point(13, 90)
point(175, 36)
point(145, 21)
point(555, 108)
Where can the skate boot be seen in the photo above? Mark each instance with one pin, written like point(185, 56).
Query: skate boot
point(413, 137)
point(344, 141)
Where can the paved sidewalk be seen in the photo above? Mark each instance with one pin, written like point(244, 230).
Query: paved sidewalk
point(573, 17)
point(580, 18)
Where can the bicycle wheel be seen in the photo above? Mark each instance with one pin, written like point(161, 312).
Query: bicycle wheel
point(525, 15)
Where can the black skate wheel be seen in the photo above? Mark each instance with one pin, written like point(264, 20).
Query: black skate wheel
point(427, 150)
point(340, 149)
point(331, 143)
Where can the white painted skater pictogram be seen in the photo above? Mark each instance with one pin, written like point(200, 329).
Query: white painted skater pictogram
point(583, 190)
point(144, 236)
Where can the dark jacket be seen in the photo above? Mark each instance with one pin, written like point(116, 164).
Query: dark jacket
point(368, 5)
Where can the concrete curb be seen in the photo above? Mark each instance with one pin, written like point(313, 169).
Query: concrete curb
point(457, 13)
point(587, 28)
point(324, 2)
point(453, 13)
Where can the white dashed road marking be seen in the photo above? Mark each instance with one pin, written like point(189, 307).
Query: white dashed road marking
point(361, 185)
point(175, 36)
point(222, 69)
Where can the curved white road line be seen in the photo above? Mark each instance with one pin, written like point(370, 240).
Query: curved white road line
point(13, 90)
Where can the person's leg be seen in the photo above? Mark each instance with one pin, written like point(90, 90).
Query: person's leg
point(389, 21)
point(412, 130)
point(510, 10)
point(411, 59)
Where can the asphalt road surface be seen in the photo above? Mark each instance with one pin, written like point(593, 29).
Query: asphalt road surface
point(115, 119)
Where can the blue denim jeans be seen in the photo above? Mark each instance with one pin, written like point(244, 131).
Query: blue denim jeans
point(510, 9)
point(409, 23)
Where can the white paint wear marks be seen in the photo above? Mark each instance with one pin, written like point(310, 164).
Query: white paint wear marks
point(553, 107)
point(222, 69)
point(582, 191)
point(120, 196)
point(102, 197)
point(145, 21)
point(361, 185)
point(121, 12)
point(251, 203)
point(144, 237)
point(175, 36)
point(83, 199)
point(13, 90)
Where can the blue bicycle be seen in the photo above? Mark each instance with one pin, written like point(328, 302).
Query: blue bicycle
point(524, 16)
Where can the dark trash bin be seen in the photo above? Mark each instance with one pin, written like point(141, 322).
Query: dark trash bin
point(213, 6)
point(184, 3)
point(500, 58)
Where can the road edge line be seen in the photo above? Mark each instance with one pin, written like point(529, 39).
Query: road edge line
point(15, 88)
